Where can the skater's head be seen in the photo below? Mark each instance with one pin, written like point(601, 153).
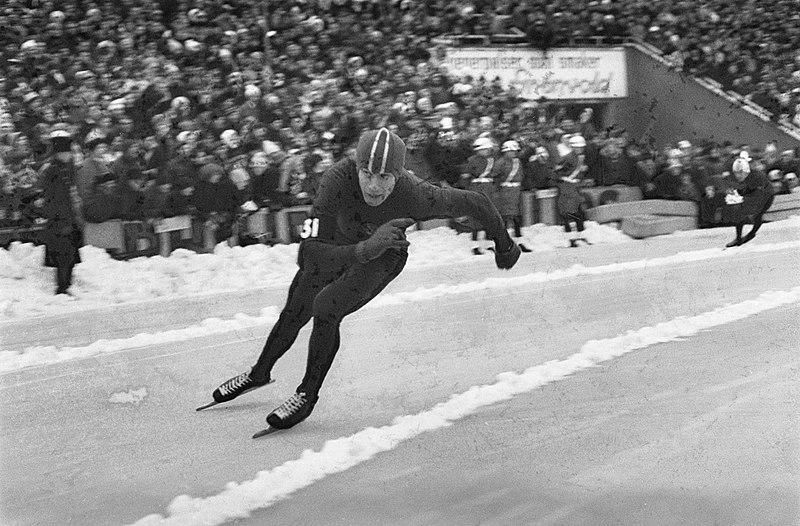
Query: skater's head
point(380, 158)
point(740, 169)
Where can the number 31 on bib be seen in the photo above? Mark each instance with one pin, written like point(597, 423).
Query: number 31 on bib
point(310, 228)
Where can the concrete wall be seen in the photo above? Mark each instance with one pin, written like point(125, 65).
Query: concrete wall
point(668, 107)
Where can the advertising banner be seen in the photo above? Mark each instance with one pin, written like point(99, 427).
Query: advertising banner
point(579, 73)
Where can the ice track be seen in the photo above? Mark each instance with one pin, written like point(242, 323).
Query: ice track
point(655, 383)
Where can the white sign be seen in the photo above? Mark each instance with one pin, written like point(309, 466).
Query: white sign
point(580, 73)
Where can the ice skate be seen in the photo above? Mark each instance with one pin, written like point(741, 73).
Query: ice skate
point(290, 413)
point(232, 388)
point(735, 243)
point(746, 239)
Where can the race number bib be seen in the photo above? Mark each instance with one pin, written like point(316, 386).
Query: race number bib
point(310, 228)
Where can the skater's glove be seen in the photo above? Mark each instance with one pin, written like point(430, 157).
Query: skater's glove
point(389, 235)
point(506, 252)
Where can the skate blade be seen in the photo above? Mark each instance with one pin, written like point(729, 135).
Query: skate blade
point(265, 432)
point(210, 404)
point(213, 403)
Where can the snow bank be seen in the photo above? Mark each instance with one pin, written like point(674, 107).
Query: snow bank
point(31, 356)
point(26, 286)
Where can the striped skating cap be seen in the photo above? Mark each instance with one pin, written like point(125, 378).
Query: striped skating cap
point(380, 151)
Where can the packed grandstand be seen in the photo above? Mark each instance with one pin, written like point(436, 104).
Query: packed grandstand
point(218, 109)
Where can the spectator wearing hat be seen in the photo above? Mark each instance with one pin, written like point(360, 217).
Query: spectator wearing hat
point(477, 175)
point(570, 177)
point(508, 173)
point(60, 206)
point(749, 196)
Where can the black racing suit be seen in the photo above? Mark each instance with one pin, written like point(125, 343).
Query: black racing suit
point(331, 283)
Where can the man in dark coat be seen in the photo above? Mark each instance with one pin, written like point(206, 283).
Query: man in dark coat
point(570, 177)
point(61, 208)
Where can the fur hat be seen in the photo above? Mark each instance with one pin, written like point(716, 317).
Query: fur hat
point(381, 151)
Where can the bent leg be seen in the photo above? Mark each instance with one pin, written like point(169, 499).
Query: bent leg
point(294, 316)
point(347, 294)
point(759, 220)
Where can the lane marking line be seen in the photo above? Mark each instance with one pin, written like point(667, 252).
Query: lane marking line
point(240, 499)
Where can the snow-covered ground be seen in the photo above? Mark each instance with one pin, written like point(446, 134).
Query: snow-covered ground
point(550, 394)
point(27, 286)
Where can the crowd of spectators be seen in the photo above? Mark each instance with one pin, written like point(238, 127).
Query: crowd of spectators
point(214, 108)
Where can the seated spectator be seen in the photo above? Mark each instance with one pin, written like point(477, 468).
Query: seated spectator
point(264, 178)
point(139, 194)
point(217, 200)
point(668, 181)
point(687, 189)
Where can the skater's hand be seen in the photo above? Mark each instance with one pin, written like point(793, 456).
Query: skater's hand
point(389, 235)
point(506, 252)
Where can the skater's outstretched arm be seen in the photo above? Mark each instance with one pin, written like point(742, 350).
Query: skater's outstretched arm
point(432, 202)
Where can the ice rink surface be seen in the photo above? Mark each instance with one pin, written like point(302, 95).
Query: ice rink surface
point(696, 429)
